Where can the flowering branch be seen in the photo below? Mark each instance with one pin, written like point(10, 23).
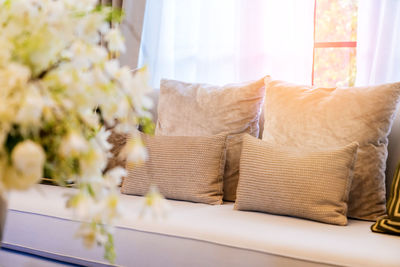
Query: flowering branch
point(53, 76)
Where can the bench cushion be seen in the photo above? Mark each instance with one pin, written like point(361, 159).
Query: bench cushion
point(194, 234)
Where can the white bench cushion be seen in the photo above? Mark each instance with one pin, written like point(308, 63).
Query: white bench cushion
point(195, 234)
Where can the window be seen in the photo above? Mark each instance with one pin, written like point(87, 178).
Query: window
point(308, 41)
point(335, 41)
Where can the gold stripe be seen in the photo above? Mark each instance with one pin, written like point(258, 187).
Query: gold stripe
point(392, 191)
point(384, 224)
point(394, 200)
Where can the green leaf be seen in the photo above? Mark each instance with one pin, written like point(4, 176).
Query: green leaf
point(146, 125)
point(12, 140)
point(90, 190)
point(112, 14)
point(109, 250)
point(115, 15)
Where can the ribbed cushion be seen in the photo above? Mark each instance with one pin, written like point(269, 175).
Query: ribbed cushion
point(289, 181)
point(191, 109)
point(182, 167)
point(303, 116)
point(390, 224)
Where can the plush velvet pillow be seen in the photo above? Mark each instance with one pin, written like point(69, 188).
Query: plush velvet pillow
point(390, 224)
point(199, 109)
point(302, 116)
point(182, 167)
point(297, 182)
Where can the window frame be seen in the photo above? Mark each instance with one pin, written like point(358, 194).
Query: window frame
point(350, 44)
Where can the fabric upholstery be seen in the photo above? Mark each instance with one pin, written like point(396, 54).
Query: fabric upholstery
point(182, 167)
point(296, 182)
point(199, 109)
point(118, 141)
point(302, 116)
point(393, 153)
point(193, 234)
point(390, 223)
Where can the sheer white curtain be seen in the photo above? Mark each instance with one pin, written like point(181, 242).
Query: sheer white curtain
point(378, 42)
point(228, 41)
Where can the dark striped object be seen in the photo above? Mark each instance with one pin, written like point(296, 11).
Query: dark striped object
point(390, 223)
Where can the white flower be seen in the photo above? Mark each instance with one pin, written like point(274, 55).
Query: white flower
point(58, 85)
point(73, 145)
point(88, 27)
point(83, 204)
point(79, 50)
point(46, 53)
point(134, 151)
point(97, 54)
point(155, 204)
point(141, 80)
point(117, 109)
point(115, 41)
point(102, 139)
point(28, 157)
point(15, 180)
point(111, 67)
point(90, 117)
point(82, 5)
point(5, 51)
point(125, 78)
point(111, 208)
point(55, 11)
point(100, 77)
point(92, 234)
point(32, 107)
point(27, 166)
point(136, 87)
point(113, 177)
point(94, 161)
point(14, 75)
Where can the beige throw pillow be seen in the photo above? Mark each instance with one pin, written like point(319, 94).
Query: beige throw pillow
point(184, 168)
point(302, 116)
point(199, 110)
point(297, 182)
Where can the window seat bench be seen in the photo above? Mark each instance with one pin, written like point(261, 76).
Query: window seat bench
point(193, 235)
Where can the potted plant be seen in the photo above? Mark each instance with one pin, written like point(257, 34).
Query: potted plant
point(59, 86)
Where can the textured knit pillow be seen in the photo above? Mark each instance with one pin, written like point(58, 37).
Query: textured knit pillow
point(390, 223)
point(199, 109)
point(302, 116)
point(296, 182)
point(184, 168)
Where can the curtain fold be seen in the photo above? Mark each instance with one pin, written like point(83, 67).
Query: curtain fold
point(113, 3)
point(117, 3)
point(228, 41)
point(131, 28)
point(378, 42)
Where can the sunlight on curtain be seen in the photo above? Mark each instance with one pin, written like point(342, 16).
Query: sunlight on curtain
point(378, 42)
point(228, 41)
